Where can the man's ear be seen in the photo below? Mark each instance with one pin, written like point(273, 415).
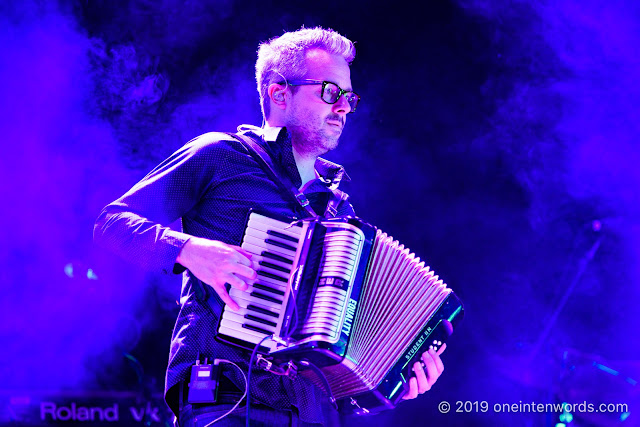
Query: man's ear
point(277, 93)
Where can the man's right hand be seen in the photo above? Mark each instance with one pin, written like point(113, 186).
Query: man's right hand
point(216, 263)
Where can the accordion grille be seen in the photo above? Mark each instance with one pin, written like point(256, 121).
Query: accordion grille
point(400, 295)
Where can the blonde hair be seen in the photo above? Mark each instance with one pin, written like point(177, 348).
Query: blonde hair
point(284, 57)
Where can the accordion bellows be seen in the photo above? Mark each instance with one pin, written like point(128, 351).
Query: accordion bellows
point(400, 295)
point(348, 298)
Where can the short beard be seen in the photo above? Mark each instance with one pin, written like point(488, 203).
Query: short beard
point(311, 141)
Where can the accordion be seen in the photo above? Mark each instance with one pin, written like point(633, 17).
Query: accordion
point(346, 297)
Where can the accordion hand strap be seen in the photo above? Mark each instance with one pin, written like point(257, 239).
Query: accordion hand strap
point(264, 159)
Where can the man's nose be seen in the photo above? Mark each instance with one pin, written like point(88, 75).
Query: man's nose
point(341, 106)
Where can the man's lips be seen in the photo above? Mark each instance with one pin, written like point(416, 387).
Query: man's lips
point(335, 123)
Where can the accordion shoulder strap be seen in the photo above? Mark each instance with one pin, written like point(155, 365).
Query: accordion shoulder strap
point(264, 159)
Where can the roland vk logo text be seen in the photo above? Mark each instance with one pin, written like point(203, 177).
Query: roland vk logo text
point(49, 411)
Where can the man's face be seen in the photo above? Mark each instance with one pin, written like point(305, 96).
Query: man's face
point(315, 126)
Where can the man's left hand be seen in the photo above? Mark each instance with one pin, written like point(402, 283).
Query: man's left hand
point(425, 377)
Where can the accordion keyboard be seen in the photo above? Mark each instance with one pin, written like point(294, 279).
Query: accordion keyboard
point(273, 245)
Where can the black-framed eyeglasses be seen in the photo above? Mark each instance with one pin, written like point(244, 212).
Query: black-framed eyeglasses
point(331, 92)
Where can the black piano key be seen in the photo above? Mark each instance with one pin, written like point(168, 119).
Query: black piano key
point(280, 245)
point(282, 236)
point(260, 320)
point(265, 297)
point(256, 329)
point(268, 289)
point(274, 267)
point(280, 258)
point(262, 310)
point(272, 276)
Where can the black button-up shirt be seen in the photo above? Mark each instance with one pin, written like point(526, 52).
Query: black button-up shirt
point(211, 183)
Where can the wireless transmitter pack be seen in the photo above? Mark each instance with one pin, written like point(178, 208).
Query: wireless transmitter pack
point(203, 385)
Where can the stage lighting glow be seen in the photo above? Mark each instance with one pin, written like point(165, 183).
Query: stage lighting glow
point(566, 417)
point(68, 270)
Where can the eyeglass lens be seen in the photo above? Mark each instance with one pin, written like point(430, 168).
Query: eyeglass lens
point(332, 92)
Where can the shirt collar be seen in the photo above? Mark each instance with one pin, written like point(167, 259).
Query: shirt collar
point(279, 141)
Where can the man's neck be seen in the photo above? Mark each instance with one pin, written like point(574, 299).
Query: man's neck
point(304, 161)
point(306, 165)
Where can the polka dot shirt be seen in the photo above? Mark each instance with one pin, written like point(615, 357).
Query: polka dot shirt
point(211, 183)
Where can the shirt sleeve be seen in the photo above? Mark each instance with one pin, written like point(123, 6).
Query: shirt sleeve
point(135, 225)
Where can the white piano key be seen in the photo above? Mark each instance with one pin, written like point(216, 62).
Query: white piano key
point(244, 303)
point(258, 249)
point(290, 254)
point(264, 235)
point(258, 241)
point(265, 223)
point(278, 294)
point(270, 281)
point(235, 330)
point(239, 318)
point(260, 258)
point(284, 277)
point(238, 294)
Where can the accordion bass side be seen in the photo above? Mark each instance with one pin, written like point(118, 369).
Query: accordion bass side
point(346, 297)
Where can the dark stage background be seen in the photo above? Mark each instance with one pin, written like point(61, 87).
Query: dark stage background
point(498, 140)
